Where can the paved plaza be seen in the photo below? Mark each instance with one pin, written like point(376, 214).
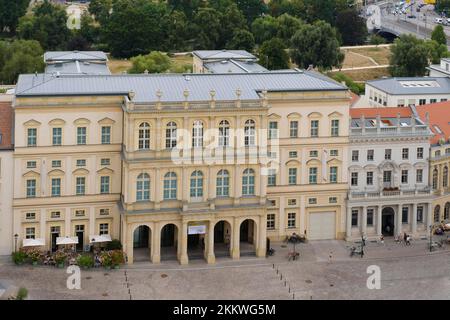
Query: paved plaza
point(325, 271)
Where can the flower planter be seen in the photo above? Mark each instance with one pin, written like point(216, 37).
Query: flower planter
point(35, 263)
point(108, 267)
point(116, 267)
point(60, 265)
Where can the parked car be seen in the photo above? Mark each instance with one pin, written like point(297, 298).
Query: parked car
point(411, 16)
point(438, 20)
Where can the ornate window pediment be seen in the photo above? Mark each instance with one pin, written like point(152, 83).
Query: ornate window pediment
point(56, 172)
point(105, 171)
point(81, 171)
point(335, 114)
point(57, 122)
point(313, 162)
point(106, 121)
point(31, 174)
point(32, 123)
point(81, 121)
point(294, 115)
point(315, 115)
point(274, 116)
point(293, 163)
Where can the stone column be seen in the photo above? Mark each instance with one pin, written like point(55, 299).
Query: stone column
point(155, 252)
point(67, 225)
point(237, 184)
point(364, 221)
point(262, 184)
point(348, 230)
point(183, 258)
point(235, 243)
point(262, 231)
point(429, 215)
point(210, 256)
point(129, 244)
point(414, 219)
point(158, 194)
point(379, 220)
point(398, 220)
point(185, 190)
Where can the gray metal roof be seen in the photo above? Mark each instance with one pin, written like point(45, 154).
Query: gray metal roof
point(74, 55)
point(77, 67)
point(437, 67)
point(172, 86)
point(223, 54)
point(412, 85)
point(233, 66)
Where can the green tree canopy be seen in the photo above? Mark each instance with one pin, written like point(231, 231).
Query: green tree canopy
point(20, 56)
point(242, 40)
point(352, 27)
point(272, 54)
point(100, 9)
point(316, 44)
point(154, 62)
point(438, 35)
point(208, 28)
point(409, 57)
point(287, 27)
point(252, 9)
point(10, 12)
point(231, 20)
point(436, 51)
point(265, 28)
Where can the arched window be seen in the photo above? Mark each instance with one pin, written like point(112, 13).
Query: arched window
point(224, 133)
point(435, 179)
point(143, 187)
point(223, 183)
point(196, 184)
point(170, 186)
point(437, 213)
point(248, 182)
point(249, 133)
point(447, 211)
point(144, 136)
point(197, 134)
point(445, 177)
point(171, 135)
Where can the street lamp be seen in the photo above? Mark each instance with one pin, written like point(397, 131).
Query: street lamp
point(431, 236)
point(15, 242)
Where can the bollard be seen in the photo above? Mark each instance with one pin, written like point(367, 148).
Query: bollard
point(285, 282)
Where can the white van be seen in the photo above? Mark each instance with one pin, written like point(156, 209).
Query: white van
point(438, 20)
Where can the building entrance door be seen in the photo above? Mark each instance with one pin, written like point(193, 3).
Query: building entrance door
point(79, 232)
point(387, 221)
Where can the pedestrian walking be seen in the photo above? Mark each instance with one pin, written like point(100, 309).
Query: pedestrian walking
point(362, 252)
point(382, 239)
point(408, 240)
point(404, 237)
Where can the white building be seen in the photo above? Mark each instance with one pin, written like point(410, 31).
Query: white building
point(403, 92)
point(440, 70)
point(388, 174)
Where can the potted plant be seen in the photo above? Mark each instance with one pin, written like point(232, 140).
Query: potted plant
point(34, 255)
point(106, 260)
point(60, 259)
point(85, 261)
point(19, 257)
point(117, 258)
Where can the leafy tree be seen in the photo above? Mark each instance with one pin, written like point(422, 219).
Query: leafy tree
point(252, 9)
point(272, 55)
point(134, 27)
point(232, 19)
point(10, 12)
point(48, 25)
point(242, 40)
point(409, 57)
point(178, 31)
point(316, 44)
point(265, 28)
point(155, 62)
point(438, 35)
point(208, 28)
point(189, 7)
point(357, 88)
point(436, 51)
point(100, 9)
point(376, 40)
point(352, 27)
point(20, 56)
point(287, 27)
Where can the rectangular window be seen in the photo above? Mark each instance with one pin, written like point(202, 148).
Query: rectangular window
point(405, 212)
point(104, 184)
point(272, 203)
point(420, 153)
point(387, 176)
point(354, 218)
point(292, 202)
point(293, 129)
point(292, 176)
point(291, 220)
point(292, 154)
point(422, 101)
point(105, 162)
point(273, 130)
point(387, 154)
point(56, 187)
point(30, 215)
point(419, 213)
point(314, 128)
point(55, 214)
point(81, 163)
point(80, 186)
point(405, 153)
point(369, 178)
point(355, 155)
point(370, 155)
point(404, 176)
point(433, 100)
point(271, 221)
point(30, 233)
point(104, 212)
point(333, 174)
point(272, 177)
point(31, 137)
point(370, 217)
point(332, 199)
point(313, 153)
point(334, 153)
point(106, 135)
point(104, 228)
point(312, 175)
point(312, 200)
point(31, 188)
point(57, 136)
point(437, 153)
point(31, 164)
point(419, 175)
point(334, 128)
point(354, 179)
point(79, 213)
point(56, 164)
point(81, 135)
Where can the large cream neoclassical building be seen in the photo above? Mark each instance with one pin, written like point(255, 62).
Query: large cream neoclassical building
point(180, 166)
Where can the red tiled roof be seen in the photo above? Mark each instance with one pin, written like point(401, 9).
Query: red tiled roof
point(6, 123)
point(439, 114)
point(356, 113)
point(353, 98)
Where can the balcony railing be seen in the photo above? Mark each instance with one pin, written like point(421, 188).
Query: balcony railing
point(387, 131)
point(387, 194)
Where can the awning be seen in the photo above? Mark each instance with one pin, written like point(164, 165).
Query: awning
point(33, 242)
point(100, 238)
point(66, 240)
